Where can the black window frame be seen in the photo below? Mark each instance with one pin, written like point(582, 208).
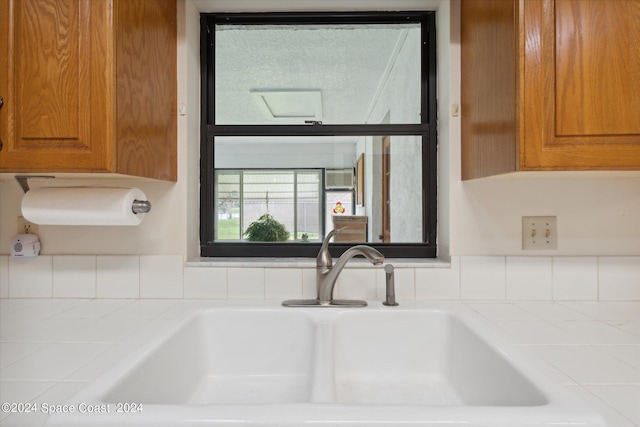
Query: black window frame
point(427, 129)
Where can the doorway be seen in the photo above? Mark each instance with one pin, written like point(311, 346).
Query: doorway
point(386, 186)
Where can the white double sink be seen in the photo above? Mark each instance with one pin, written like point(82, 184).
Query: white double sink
point(279, 366)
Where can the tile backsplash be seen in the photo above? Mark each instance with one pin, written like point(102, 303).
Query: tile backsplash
point(508, 278)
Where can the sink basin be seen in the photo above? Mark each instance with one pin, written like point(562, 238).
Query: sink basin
point(267, 365)
point(422, 358)
point(226, 357)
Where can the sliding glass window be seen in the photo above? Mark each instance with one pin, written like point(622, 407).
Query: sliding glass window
point(292, 197)
point(311, 121)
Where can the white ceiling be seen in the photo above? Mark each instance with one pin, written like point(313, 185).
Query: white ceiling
point(356, 90)
point(345, 64)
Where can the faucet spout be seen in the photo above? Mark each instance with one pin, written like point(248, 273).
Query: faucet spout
point(324, 257)
point(326, 276)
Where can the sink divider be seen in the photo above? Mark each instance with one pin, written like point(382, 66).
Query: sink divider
point(322, 381)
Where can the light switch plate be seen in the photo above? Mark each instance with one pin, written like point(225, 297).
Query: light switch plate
point(539, 232)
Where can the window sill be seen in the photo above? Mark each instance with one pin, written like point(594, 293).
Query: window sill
point(310, 262)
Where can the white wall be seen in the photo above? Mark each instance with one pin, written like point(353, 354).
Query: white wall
point(273, 155)
point(162, 231)
point(189, 95)
point(598, 213)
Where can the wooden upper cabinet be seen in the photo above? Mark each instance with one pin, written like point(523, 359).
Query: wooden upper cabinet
point(550, 85)
point(88, 86)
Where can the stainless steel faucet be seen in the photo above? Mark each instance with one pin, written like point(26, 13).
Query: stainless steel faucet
point(327, 274)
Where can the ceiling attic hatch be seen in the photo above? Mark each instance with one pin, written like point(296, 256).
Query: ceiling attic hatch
point(287, 104)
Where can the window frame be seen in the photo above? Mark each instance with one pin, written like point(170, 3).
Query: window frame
point(426, 129)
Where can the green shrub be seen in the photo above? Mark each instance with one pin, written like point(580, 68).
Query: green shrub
point(266, 229)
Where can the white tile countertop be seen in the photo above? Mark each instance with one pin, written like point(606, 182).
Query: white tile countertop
point(50, 348)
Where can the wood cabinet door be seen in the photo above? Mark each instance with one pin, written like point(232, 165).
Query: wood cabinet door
point(580, 105)
point(56, 85)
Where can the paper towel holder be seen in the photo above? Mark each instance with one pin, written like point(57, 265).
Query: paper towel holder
point(138, 207)
point(22, 180)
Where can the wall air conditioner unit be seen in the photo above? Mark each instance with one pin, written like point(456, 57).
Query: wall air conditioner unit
point(338, 178)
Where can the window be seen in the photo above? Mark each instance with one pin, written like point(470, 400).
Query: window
point(307, 117)
point(294, 197)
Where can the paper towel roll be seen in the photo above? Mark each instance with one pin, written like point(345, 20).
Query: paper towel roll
point(82, 206)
